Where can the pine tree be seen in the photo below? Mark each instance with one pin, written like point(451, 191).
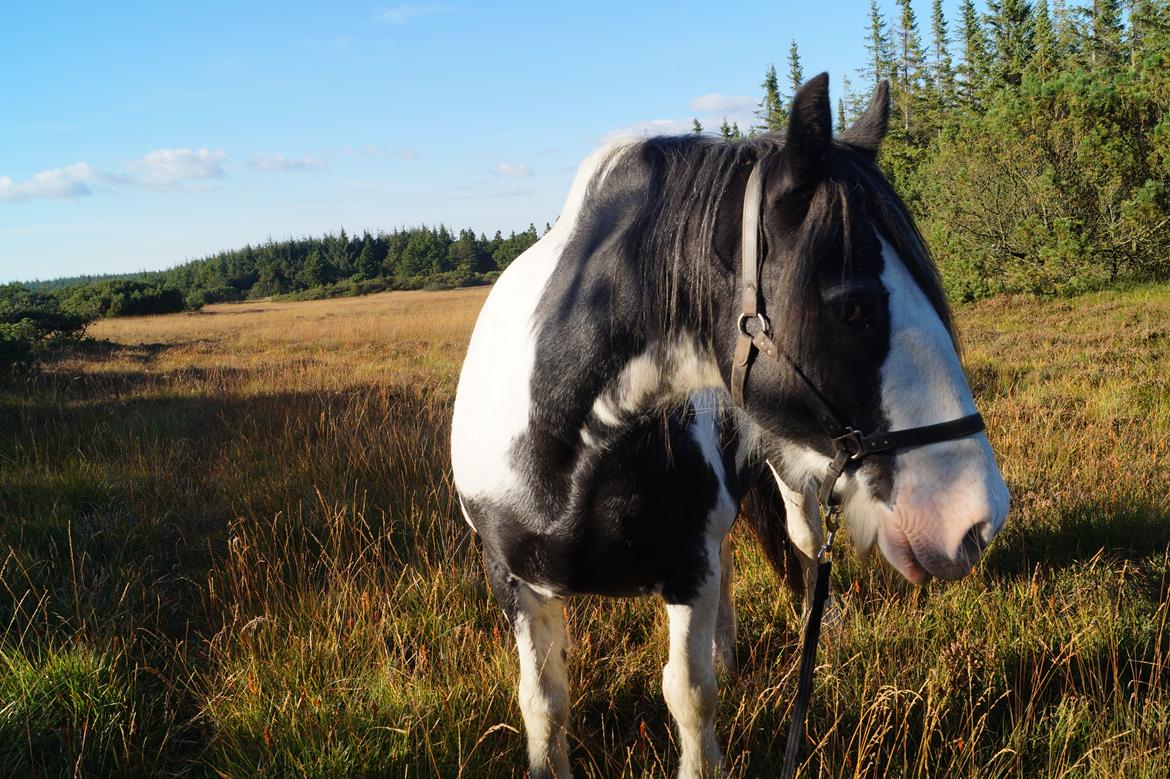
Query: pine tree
point(975, 71)
point(877, 47)
point(1045, 57)
point(725, 130)
point(908, 67)
point(840, 126)
point(1106, 44)
point(1149, 35)
point(770, 112)
point(795, 71)
point(943, 70)
point(696, 128)
point(1013, 41)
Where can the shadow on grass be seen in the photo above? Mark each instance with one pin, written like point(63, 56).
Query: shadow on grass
point(119, 494)
point(1124, 532)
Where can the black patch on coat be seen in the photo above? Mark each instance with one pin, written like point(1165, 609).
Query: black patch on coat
point(634, 521)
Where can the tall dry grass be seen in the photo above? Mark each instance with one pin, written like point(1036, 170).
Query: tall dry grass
point(230, 547)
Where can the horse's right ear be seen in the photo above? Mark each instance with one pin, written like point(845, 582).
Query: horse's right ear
point(867, 132)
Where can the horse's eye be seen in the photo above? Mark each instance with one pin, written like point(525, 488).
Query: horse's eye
point(852, 312)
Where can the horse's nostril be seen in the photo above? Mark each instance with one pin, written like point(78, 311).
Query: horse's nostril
point(976, 540)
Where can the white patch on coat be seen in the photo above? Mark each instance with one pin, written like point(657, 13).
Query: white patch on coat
point(544, 685)
point(942, 490)
point(704, 430)
point(802, 517)
point(493, 398)
point(688, 680)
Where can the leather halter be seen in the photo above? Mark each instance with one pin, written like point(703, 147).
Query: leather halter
point(849, 443)
point(755, 335)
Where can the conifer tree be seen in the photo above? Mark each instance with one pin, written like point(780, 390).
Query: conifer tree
point(942, 68)
point(696, 128)
point(975, 70)
point(1045, 57)
point(795, 71)
point(771, 113)
point(1149, 35)
point(908, 65)
point(1013, 41)
point(877, 47)
point(1106, 45)
point(725, 130)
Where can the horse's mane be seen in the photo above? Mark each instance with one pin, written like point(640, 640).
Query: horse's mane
point(683, 238)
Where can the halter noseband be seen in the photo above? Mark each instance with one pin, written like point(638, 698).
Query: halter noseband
point(849, 443)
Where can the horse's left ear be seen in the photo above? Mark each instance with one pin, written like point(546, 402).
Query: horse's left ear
point(810, 129)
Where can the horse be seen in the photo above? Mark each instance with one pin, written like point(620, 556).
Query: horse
point(711, 323)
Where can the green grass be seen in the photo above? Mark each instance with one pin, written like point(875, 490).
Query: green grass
point(229, 547)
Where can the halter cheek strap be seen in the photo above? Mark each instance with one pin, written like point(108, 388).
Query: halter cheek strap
point(849, 444)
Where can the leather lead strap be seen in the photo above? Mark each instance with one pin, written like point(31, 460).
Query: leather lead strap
point(808, 664)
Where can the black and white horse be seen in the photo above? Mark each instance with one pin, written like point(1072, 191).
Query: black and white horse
point(595, 444)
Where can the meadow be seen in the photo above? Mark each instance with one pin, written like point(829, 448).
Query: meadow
point(229, 547)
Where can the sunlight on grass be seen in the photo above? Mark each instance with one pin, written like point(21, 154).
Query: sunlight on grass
point(231, 548)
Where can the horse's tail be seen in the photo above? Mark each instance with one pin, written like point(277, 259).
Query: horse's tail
point(762, 510)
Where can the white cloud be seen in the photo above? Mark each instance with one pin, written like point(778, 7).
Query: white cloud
point(278, 163)
point(408, 154)
point(74, 180)
point(519, 169)
point(716, 103)
point(156, 168)
point(173, 166)
point(401, 14)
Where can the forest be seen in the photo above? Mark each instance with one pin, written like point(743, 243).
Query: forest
point(1031, 142)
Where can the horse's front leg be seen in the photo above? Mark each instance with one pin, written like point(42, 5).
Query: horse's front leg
point(725, 624)
point(544, 688)
point(803, 522)
point(688, 680)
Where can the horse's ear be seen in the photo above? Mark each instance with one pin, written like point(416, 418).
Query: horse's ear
point(810, 129)
point(867, 132)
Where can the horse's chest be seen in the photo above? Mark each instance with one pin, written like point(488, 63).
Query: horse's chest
point(639, 511)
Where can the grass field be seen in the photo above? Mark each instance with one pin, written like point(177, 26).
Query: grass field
point(229, 547)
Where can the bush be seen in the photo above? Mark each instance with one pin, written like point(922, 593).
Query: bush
point(33, 324)
point(121, 297)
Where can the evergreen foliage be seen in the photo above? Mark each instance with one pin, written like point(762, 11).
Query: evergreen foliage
point(1047, 168)
point(333, 265)
point(771, 112)
point(32, 324)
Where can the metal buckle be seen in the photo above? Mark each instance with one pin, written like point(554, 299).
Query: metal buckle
point(831, 524)
point(850, 442)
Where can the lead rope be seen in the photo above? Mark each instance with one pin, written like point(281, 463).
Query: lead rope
point(831, 515)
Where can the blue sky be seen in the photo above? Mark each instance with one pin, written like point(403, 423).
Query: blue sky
point(139, 135)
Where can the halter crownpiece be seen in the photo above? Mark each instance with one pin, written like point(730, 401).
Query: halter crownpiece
point(849, 443)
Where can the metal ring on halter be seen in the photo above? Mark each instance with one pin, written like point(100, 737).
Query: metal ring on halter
point(745, 318)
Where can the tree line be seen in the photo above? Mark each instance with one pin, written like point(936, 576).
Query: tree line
point(39, 317)
point(1031, 141)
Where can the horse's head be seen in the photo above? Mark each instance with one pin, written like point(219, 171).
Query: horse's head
point(856, 305)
